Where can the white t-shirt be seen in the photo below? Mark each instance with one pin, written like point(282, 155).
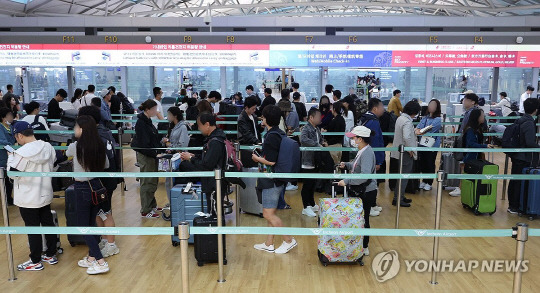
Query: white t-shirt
point(524, 96)
point(87, 100)
point(504, 104)
point(302, 97)
point(330, 97)
point(30, 119)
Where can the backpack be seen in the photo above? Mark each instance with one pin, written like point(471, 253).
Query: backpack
point(288, 159)
point(511, 138)
point(360, 107)
point(109, 183)
point(127, 107)
point(514, 106)
point(68, 118)
point(36, 125)
point(232, 162)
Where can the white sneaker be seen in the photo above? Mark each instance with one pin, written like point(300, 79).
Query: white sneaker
point(427, 187)
point(286, 247)
point(291, 187)
point(85, 263)
point(422, 185)
point(366, 251)
point(308, 212)
point(315, 208)
point(110, 249)
point(456, 192)
point(102, 243)
point(374, 213)
point(376, 208)
point(263, 247)
point(98, 268)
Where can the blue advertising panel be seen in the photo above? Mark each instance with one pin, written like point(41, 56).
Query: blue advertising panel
point(343, 58)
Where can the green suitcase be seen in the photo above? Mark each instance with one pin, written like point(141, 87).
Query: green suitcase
point(480, 195)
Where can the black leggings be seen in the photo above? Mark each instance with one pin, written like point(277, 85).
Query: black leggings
point(426, 162)
point(368, 201)
point(308, 189)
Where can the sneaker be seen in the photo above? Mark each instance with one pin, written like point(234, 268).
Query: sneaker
point(455, 192)
point(512, 211)
point(402, 204)
point(85, 263)
point(157, 210)
point(102, 243)
point(110, 250)
point(374, 213)
point(52, 260)
point(98, 268)
point(427, 187)
point(377, 208)
point(308, 212)
point(150, 215)
point(263, 247)
point(291, 187)
point(286, 247)
point(30, 266)
point(366, 251)
point(315, 208)
point(422, 185)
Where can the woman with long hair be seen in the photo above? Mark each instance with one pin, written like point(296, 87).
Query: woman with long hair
point(326, 114)
point(473, 135)
point(145, 142)
point(426, 160)
point(76, 99)
point(12, 103)
point(178, 129)
point(89, 155)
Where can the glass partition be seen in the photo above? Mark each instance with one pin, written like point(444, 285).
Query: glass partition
point(45, 81)
point(168, 79)
point(139, 83)
point(202, 78)
point(448, 83)
point(11, 75)
point(514, 81)
point(101, 77)
point(309, 81)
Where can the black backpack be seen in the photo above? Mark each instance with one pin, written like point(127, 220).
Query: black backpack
point(110, 183)
point(127, 107)
point(36, 125)
point(511, 138)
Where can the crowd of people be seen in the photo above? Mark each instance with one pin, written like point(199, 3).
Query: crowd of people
point(263, 123)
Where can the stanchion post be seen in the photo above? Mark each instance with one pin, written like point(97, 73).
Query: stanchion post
point(121, 153)
point(521, 234)
point(237, 149)
point(401, 149)
point(9, 247)
point(505, 182)
point(183, 236)
point(440, 179)
point(219, 208)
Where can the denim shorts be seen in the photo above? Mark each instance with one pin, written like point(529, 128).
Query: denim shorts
point(270, 197)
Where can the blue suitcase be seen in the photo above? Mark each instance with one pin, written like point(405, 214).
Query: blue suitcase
point(184, 206)
point(530, 195)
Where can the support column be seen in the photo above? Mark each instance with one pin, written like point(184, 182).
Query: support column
point(152, 77)
point(70, 89)
point(235, 79)
point(25, 85)
point(123, 80)
point(495, 84)
point(223, 80)
point(534, 82)
point(429, 83)
point(407, 88)
point(324, 78)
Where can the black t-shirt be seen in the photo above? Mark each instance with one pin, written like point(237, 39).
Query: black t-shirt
point(53, 110)
point(301, 110)
point(270, 151)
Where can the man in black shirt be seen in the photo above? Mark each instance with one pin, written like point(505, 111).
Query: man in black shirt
point(268, 100)
point(300, 107)
point(54, 111)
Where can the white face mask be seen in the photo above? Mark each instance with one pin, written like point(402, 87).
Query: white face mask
point(353, 143)
point(8, 123)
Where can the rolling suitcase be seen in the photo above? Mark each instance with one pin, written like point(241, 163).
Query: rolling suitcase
point(71, 216)
point(59, 248)
point(250, 202)
point(480, 195)
point(449, 165)
point(530, 195)
point(346, 212)
point(206, 246)
point(184, 204)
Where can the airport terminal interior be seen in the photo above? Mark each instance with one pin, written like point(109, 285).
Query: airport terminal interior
point(433, 58)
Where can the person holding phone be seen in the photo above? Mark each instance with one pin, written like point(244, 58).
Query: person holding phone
point(473, 135)
point(426, 160)
point(6, 138)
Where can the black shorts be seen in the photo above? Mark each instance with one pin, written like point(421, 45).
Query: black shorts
point(105, 206)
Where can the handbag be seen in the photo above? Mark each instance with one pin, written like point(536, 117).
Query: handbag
point(359, 190)
point(427, 141)
point(98, 195)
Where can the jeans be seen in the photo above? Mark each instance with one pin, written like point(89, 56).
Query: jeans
point(86, 214)
point(407, 169)
point(368, 201)
point(514, 188)
point(308, 189)
point(148, 185)
point(39, 217)
point(426, 162)
point(271, 196)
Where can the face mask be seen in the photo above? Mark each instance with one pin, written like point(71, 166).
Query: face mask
point(353, 143)
point(8, 123)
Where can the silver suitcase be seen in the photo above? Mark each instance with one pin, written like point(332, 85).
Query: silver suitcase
point(450, 166)
point(249, 200)
point(60, 137)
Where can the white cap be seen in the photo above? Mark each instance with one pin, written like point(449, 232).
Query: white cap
point(361, 131)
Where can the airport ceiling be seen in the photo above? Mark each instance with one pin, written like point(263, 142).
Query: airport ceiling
point(220, 8)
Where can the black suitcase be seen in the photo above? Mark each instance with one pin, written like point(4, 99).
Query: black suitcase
point(206, 246)
point(71, 216)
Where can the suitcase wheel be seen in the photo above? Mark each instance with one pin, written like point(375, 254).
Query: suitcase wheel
point(60, 250)
point(493, 212)
point(360, 262)
point(520, 214)
point(72, 244)
point(476, 212)
point(200, 263)
point(166, 215)
point(531, 218)
point(261, 215)
point(175, 243)
point(325, 264)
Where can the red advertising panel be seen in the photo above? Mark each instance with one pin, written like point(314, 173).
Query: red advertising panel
point(528, 59)
point(454, 58)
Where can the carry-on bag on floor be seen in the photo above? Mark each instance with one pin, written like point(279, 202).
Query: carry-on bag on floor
point(346, 212)
point(249, 199)
point(449, 165)
point(206, 246)
point(184, 204)
point(530, 195)
point(480, 195)
point(60, 137)
point(59, 248)
point(71, 216)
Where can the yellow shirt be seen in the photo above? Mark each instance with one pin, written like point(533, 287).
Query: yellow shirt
point(395, 106)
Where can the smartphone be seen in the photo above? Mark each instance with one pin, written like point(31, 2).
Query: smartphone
point(9, 149)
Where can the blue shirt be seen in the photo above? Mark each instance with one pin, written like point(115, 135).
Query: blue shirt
point(436, 123)
point(371, 121)
point(6, 138)
point(105, 111)
point(473, 139)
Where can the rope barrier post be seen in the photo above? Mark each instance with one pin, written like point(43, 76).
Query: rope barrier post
point(237, 209)
point(505, 182)
point(401, 149)
point(183, 236)
point(219, 204)
point(9, 247)
point(123, 183)
point(521, 234)
point(440, 178)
